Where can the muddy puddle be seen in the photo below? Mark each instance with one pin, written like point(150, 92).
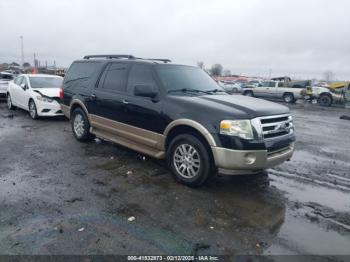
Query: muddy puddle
point(317, 222)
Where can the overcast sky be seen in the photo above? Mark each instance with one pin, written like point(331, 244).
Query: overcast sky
point(299, 38)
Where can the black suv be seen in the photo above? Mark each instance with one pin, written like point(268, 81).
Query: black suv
point(175, 112)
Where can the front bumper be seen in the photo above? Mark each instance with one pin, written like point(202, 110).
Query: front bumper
point(240, 162)
point(48, 109)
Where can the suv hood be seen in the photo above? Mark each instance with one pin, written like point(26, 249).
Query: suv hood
point(238, 105)
point(49, 92)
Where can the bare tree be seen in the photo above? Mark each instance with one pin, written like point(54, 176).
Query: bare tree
point(201, 65)
point(328, 76)
point(216, 70)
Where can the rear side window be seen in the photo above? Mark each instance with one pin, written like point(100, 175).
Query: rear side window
point(140, 75)
point(114, 77)
point(81, 70)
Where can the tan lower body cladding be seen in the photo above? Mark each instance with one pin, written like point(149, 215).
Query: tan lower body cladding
point(147, 142)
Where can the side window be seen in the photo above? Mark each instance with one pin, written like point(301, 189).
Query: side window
point(18, 80)
point(140, 75)
point(103, 76)
point(272, 84)
point(82, 70)
point(280, 84)
point(265, 84)
point(115, 79)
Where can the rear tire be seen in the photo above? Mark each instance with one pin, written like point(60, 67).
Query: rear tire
point(10, 106)
point(189, 160)
point(81, 126)
point(325, 100)
point(248, 93)
point(288, 98)
point(32, 110)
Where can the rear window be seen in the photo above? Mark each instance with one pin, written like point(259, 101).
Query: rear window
point(82, 70)
point(45, 82)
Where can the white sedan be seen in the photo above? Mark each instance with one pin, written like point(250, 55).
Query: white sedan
point(38, 94)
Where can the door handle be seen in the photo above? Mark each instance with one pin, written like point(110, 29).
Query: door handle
point(125, 102)
point(93, 96)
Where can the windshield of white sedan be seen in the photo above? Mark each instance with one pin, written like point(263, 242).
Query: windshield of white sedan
point(45, 82)
point(185, 79)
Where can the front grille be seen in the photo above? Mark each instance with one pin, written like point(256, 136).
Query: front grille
point(276, 126)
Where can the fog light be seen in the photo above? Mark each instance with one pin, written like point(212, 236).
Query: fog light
point(249, 158)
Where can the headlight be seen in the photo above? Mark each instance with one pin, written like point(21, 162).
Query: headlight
point(44, 99)
point(240, 128)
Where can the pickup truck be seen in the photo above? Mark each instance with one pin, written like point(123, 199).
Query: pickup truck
point(276, 90)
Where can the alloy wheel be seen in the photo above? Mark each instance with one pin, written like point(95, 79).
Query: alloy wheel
point(32, 110)
point(186, 161)
point(78, 125)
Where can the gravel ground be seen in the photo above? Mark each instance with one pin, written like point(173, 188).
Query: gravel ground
point(59, 196)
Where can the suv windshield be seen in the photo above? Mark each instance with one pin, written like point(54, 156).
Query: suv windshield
point(186, 79)
point(45, 82)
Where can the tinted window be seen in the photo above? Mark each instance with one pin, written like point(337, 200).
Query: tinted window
point(185, 77)
point(115, 77)
point(140, 75)
point(81, 70)
point(45, 82)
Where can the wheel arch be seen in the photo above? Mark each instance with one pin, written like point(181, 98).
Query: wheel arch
point(185, 126)
point(77, 103)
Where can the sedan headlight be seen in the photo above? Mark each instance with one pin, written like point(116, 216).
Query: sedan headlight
point(44, 99)
point(239, 128)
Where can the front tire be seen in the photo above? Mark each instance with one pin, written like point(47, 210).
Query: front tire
point(32, 110)
point(189, 160)
point(80, 125)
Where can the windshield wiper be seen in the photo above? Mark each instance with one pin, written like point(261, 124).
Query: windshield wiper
point(185, 90)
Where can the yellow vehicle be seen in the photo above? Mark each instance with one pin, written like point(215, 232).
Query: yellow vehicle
point(338, 85)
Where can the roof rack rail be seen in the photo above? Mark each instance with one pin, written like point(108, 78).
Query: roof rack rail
point(157, 59)
point(127, 57)
point(109, 56)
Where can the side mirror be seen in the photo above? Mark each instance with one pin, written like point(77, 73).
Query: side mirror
point(24, 86)
point(145, 91)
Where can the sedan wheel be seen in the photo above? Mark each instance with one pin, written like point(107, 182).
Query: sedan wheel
point(9, 102)
point(32, 110)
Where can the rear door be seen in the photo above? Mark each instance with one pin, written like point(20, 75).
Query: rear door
point(16, 91)
point(261, 91)
point(109, 96)
point(271, 90)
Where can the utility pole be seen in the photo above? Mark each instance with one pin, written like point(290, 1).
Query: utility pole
point(22, 51)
